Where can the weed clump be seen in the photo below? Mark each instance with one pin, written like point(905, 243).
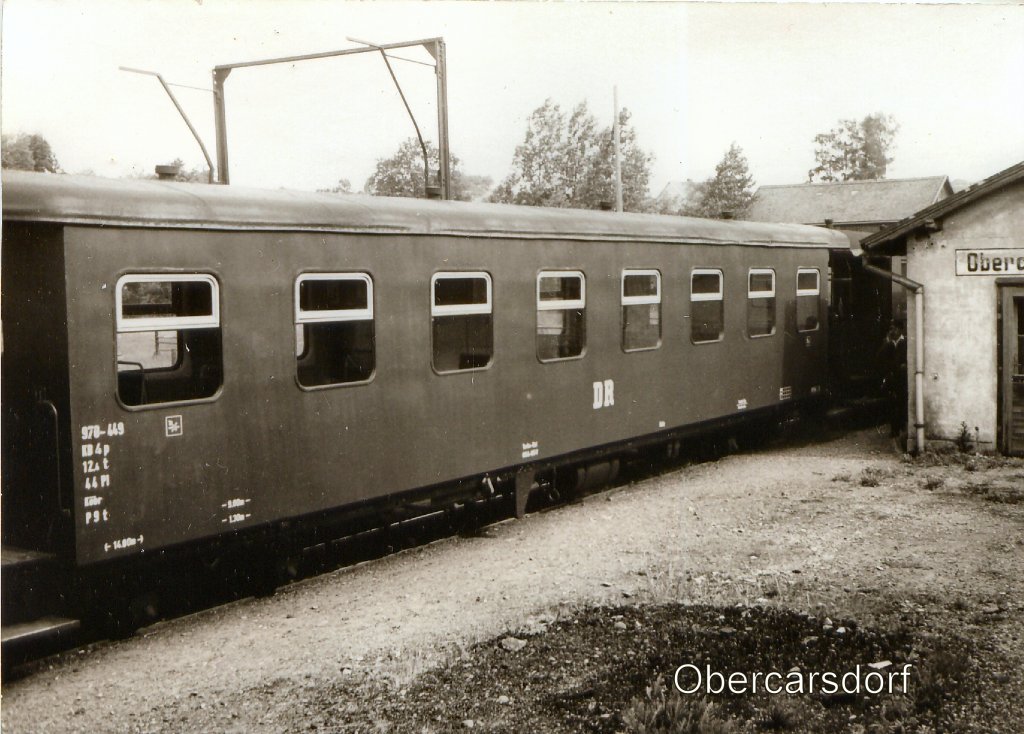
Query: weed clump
point(663, 710)
point(872, 477)
point(941, 673)
point(782, 715)
point(933, 483)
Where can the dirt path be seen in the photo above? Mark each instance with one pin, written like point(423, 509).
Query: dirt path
point(797, 527)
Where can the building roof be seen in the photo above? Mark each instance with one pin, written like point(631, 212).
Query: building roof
point(677, 194)
point(931, 216)
point(88, 200)
point(848, 202)
point(677, 190)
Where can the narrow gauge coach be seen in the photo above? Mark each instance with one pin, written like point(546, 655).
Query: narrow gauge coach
point(188, 364)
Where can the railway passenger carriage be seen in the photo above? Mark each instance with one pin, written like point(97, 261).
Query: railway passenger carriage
point(187, 362)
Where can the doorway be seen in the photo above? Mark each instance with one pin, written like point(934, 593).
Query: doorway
point(1011, 384)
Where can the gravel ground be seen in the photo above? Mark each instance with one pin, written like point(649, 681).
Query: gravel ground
point(845, 528)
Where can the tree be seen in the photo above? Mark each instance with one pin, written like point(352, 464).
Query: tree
point(196, 174)
point(344, 186)
point(28, 153)
point(856, 151)
point(599, 184)
point(541, 162)
point(731, 189)
point(402, 173)
point(566, 161)
point(472, 187)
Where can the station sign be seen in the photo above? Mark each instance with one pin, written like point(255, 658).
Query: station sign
point(1008, 261)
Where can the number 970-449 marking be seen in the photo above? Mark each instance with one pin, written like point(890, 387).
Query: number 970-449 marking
point(90, 433)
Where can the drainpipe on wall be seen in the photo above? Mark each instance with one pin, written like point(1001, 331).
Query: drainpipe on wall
point(918, 290)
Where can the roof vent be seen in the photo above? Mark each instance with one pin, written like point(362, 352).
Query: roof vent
point(167, 173)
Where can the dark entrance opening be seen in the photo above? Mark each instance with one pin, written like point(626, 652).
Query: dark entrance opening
point(1011, 384)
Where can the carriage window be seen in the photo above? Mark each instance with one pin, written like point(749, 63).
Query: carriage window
point(561, 315)
point(761, 302)
point(808, 299)
point(641, 310)
point(707, 315)
point(462, 325)
point(168, 338)
point(334, 332)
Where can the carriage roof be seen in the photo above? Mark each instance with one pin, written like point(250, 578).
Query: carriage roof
point(89, 200)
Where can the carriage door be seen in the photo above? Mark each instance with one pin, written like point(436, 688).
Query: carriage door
point(1011, 386)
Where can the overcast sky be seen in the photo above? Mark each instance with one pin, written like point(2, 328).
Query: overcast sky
point(696, 77)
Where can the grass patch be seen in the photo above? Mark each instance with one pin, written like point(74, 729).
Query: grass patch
point(995, 491)
point(950, 457)
point(613, 669)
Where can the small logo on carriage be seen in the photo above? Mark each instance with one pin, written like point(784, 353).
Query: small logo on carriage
point(604, 394)
point(173, 426)
point(741, 404)
point(786, 393)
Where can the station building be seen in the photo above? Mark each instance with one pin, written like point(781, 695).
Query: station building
point(964, 257)
point(863, 304)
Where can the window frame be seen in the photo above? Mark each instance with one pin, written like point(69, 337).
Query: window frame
point(758, 295)
point(460, 309)
point(703, 297)
point(340, 314)
point(176, 324)
point(577, 304)
point(301, 316)
point(816, 291)
point(646, 300)
point(166, 323)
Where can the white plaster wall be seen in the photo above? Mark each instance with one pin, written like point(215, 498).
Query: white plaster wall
point(960, 332)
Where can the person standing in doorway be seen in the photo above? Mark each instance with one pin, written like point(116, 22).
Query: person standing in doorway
point(892, 363)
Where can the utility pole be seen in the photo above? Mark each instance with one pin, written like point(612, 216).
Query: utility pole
point(434, 47)
point(618, 153)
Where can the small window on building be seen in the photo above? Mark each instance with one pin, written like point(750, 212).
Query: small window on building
point(168, 338)
point(461, 317)
point(761, 302)
point(334, 330)
point(561, 315)
point(707, 313)
point(641, 310)
point(808, 299)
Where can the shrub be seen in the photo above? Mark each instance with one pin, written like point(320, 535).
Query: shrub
point(964, 440)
